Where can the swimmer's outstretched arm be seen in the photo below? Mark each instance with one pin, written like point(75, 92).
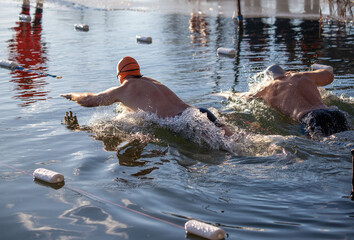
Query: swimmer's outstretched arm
point(105, 98)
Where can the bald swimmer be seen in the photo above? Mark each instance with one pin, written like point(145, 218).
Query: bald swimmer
point(296, 95)
point(138, 92)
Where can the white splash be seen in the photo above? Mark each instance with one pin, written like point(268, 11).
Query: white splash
point(191, 125)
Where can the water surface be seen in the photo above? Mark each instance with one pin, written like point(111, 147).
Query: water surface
point(267, 182)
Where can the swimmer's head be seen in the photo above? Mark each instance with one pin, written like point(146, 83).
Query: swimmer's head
point(275, 71)
point(127, 66)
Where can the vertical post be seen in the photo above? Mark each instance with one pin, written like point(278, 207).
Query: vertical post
point(239, 14)
point(239, 35)
point(26, 7)
point(352, 194)
point(320, 25)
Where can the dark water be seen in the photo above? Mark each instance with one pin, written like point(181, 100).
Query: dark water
point(130, 176)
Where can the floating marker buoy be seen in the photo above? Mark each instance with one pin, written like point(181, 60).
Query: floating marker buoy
point(55, 186)
point(82, 27)
point(143, 39)
point(226, 51)
point(24, 18)
point(48, 176)
point(204, 230)
point(8, 64)
point(322, 66)
point(14, 66)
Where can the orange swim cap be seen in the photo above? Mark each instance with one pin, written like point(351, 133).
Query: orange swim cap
point(127, 66)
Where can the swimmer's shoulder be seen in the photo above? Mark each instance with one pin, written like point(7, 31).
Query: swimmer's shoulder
point(149, 82)
point(139, 84)
point(140, 80)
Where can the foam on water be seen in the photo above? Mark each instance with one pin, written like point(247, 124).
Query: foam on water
point(344, 140)
point(191, 125)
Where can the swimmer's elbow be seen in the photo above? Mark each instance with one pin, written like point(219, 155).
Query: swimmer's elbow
point(94, 102)
point(88, 104)
point(325, 78)
point(331, 78)
point(88, 100)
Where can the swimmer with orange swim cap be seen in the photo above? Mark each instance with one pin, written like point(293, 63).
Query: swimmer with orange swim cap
point(128, 66)
point(138, 92)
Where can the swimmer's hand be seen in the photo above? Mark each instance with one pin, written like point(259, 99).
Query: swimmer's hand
point(84, 99)
point(67, 96)
point(245, 95)
point(240, 94)
point(70, 120)
point(79, 98)
point(73, 96)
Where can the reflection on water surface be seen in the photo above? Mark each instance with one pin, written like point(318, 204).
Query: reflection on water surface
point(28, 49)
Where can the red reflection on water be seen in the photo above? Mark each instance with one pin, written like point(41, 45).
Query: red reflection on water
point(28, 50)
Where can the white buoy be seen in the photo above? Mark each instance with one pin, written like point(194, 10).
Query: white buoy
point(143, 39)
point(24, 17)
point(82, 27)
point(8, 64)
point(322, 66)
point(204, 230)
point(226, 51)
point(48, 176)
